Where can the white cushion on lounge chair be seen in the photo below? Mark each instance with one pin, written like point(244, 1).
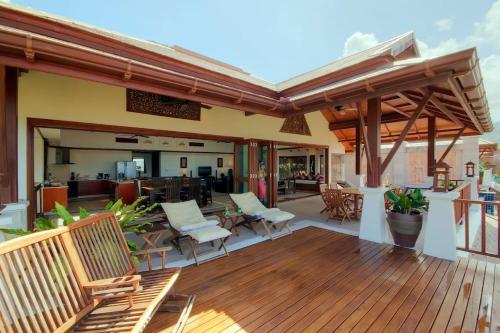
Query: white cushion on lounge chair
point(250, 205)
point(186, 216)
point(196, 226)
point(277, 216)
point(209, 234)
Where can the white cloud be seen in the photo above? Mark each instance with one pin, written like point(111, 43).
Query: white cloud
point(444, 24)
point(490, 70)
point(488, 30)
point(359, 41)
point(486, 33)
point(5, 1)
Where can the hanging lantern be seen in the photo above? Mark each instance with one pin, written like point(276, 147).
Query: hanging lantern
point(470, 169)
point(441, 177)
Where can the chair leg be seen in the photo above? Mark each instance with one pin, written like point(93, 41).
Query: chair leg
point(223, 244)
point(264, 223)
point(193, 247)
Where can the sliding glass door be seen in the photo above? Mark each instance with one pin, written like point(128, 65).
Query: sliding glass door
point(255, 169)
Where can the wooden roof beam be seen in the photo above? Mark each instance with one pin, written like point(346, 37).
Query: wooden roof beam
point(448, 149)
point(462, 98)
point(411, 122)
point(386, 118)
point(437, 103)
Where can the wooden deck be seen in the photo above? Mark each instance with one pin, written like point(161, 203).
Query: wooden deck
point(318, 280)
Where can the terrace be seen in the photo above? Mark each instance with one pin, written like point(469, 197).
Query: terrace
point(75, 90)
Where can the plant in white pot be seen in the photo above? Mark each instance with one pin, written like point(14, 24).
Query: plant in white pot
point(405, 216)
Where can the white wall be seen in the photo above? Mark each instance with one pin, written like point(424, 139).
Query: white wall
point(170, 163)
point(87, 139)
point(88, 163)
point(56, 97)
point(411, 159)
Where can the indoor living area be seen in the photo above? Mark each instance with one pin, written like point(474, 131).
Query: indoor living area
point(301, 171)
point(87, 169)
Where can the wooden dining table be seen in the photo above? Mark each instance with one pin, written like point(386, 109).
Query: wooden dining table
point(356, 195)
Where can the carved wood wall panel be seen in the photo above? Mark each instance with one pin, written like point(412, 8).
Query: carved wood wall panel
point(154, 104)
point(296, 125)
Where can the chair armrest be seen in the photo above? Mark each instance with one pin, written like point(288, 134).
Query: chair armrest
point(162, 251)
point(125, 286)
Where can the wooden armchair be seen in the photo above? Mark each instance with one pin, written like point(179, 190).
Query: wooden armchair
point(81, 278)
point(337, 205)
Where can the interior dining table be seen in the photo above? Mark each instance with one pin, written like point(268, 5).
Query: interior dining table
point(356, 195)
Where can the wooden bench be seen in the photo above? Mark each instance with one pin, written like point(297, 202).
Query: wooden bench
point(81, 278)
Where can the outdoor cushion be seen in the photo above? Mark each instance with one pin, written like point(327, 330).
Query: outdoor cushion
point(200, 225)
point(248, 203)
point(181, 214)
point(277, 216)
point(209, 234)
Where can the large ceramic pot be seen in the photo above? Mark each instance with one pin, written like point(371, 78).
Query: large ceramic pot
point(405, 228)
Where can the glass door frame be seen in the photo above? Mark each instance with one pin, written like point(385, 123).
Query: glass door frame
point(272, 172)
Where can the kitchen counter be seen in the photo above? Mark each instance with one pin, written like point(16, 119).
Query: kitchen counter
point(115, 189)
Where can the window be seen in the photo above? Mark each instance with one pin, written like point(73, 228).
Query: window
point(140, 164)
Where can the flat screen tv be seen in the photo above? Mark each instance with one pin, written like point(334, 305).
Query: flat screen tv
point(204, 171)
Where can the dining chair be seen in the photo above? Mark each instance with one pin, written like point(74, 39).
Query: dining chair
point(338, 207)
point(173, 188)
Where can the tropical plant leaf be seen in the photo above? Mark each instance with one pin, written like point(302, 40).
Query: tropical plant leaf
point(42, 223)
point(18, 232)
point(84, 213)
point(64, 214)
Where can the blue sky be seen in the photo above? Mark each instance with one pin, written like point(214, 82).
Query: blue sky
point(276, 40)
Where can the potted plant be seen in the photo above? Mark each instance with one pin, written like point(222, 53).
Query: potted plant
point(405, 216)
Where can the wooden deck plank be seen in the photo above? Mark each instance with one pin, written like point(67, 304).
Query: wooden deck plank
point(307, 310)
point(274, 283)
point(484, 316)
point(470, 320)
point(458, 313)
point(402, 304)
point(377, 306)
point(495, 314)
point(438, 281)
point(320, 280)
point(337, 311)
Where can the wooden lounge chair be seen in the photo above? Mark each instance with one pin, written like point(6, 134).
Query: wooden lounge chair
point(81, 278)
point(254, 210)
point(186, 219)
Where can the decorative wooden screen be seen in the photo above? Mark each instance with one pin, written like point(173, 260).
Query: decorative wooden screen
point(296, 125)
point(154, 104)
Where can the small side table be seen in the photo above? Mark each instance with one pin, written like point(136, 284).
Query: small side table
point(233, 218)
point(152, 235)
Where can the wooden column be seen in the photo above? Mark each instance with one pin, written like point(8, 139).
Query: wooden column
point(431, 145)
point(8, 134)
point(373, 137)
point(358, 148)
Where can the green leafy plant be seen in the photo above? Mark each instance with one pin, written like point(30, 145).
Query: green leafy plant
point(411, 203)
point(126, 215)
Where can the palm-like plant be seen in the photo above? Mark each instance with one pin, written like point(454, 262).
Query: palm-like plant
point(410, 203)
point(126, 215)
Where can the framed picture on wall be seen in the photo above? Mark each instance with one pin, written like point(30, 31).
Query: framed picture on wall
point(184, 162)
point(220, 162)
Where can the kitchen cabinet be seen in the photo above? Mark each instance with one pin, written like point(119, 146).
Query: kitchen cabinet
point(93, 187)
point(52, 194)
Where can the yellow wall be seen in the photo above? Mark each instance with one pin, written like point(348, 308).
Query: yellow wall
point(55, 97)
